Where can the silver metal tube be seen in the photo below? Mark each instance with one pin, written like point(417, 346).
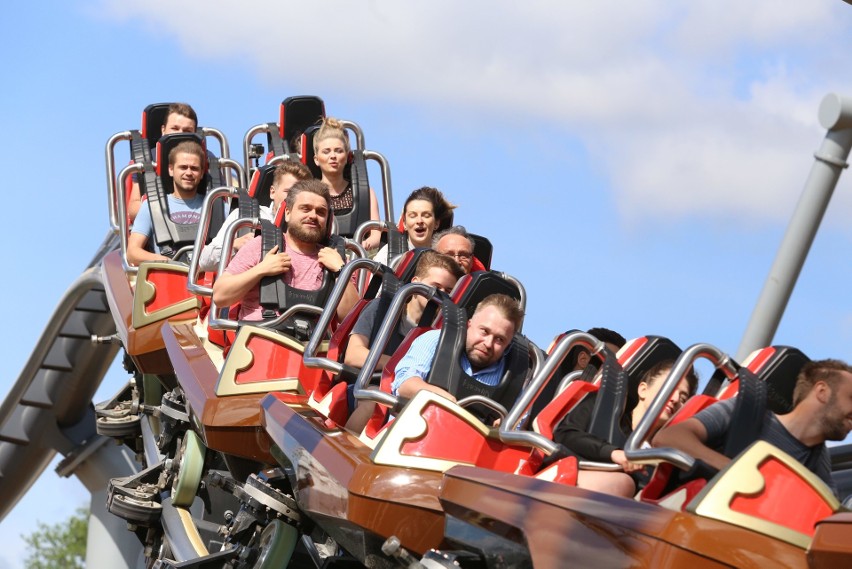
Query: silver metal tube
point(366, 227)
point(359, 133)
point(387, 189)
point(220, 193)
point(112, 194)
point(122, 218)
point(679, 370)
point(360, 253)
point(250, 134)
point(225, 151)
point(508, 429)
point(380, 341)
point(835, 114)
point(523, 292)
point(230, 230)
point(229, 164)
point(310, 358)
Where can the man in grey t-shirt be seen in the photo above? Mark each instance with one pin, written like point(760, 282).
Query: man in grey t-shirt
point(822, 411)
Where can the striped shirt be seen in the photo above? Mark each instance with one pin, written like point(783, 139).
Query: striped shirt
point(417, 362)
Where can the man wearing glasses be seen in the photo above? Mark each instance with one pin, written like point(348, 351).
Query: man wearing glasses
point(457, 243)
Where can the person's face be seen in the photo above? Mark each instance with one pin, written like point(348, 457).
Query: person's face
point(457, 247)
point(676, 399)
point(489, 333)
point(419, 222)
point(186, 172)
point(441, 279)
point(178, 123)
point(837, 415)
point(280, 188)
point(307, 220)
point(331, 156)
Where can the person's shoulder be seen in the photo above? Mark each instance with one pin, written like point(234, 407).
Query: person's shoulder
point(265, 213)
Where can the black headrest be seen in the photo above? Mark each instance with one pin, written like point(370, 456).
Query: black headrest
point(297, 114)
point(153, 119)
point(408, 264)
point(308, 151)
point(473, 288)
point(261, 181)
point(482, 250)
point(779, 370)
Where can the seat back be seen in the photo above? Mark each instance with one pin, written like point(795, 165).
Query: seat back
point(471, 289)
point(295, 115)
point(261, 182)
point(169, 235)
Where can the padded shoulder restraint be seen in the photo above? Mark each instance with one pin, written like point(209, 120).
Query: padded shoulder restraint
point(749, 414)
point(390, 286)
point(610, 403)
point(140, 151)
point(247, 205)
point(273, 138)
point(397, 242)
point(275, 295)
point(168, 235)
point(447, 373)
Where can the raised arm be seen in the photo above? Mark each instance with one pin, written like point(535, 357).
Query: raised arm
point(691, 437)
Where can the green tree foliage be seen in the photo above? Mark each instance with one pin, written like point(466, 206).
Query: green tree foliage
point(59, 546)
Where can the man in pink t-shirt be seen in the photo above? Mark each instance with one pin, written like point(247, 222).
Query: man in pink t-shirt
point(300, 263)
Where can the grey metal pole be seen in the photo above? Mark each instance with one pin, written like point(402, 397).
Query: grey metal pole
point(835, 114)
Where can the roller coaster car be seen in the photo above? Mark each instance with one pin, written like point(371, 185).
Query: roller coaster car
point(225, 398)
point(158, 293)
point(364, 489)
point(766, 381)
point(765, 508)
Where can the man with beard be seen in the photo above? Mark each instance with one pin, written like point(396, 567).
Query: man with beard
point(186, 167)
point(489, 333)
point(301, 263)
point(822, 411)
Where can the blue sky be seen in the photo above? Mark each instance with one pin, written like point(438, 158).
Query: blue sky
point(635, 164)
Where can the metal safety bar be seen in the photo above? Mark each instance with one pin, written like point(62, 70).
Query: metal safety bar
point(508, 429)
point(222, 193)
point(324, 323)
point(682, 366)
point(392, 317)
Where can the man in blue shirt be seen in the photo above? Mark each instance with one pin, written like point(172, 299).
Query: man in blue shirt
point(489, 333)
point(186, 167)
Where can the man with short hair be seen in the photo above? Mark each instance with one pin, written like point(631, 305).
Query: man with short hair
point(186, 167)
point(180, 117)
point(457, 243)
point(433, 269)
point(822, 412)
point(285, 175)
point(489, 334)
point(301, 263)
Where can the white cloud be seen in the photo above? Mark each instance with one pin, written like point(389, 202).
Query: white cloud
point(705, 108)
